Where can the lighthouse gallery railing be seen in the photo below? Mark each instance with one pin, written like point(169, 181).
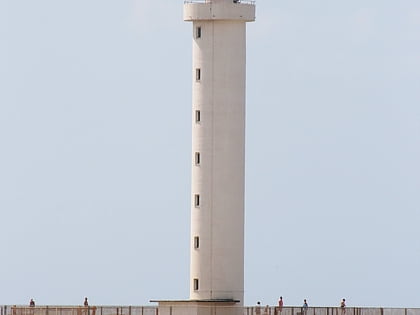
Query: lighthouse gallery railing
point(210, 1)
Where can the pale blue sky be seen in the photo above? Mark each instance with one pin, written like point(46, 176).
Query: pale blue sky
point(95, 112)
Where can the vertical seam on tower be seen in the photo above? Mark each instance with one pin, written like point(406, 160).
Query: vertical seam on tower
point(212, 159)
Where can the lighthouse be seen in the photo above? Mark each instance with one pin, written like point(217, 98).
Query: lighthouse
point(218, 158)
point(218, 147)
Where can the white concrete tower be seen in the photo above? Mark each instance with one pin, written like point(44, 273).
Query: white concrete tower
point(218, 147)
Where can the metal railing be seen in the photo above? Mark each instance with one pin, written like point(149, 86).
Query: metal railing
point(210, 1)
point(186, 310)
point(78, 310)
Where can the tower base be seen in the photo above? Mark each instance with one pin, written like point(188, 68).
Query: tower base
point(200, 307)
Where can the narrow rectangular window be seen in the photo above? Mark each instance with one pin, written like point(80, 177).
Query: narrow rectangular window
point(197, 116)
point(197, 158)
point(198, 32)
point(196, 242)
point(198, 74)
point(195, 284)
point(197, 200)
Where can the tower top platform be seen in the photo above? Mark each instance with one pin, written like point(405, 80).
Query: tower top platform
point(231, 10)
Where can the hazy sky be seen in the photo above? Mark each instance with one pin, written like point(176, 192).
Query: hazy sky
point(95, 137)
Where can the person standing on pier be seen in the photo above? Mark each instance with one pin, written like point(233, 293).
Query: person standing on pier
point(343, 306)
point(277, 310)
point(280, 304)
point(258, 308)
point(304, 307)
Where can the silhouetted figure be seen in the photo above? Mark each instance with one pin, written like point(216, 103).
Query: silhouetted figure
point(343, 306)
point(258, 308)
point(85, 303)
point(304, 307)
point(32, 303)
point(280, 304)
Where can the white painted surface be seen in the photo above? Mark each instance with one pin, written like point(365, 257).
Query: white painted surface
point(221, 10)
point(220, 54)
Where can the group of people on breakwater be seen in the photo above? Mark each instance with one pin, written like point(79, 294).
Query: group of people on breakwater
point(32, 302)
point(279, 308)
